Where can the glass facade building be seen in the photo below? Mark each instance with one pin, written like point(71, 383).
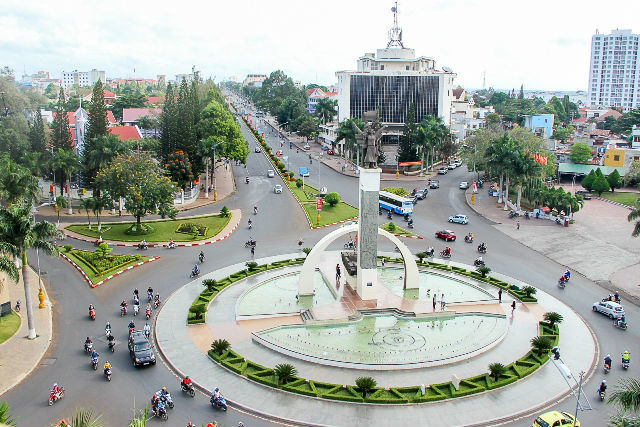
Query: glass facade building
point(393, 95)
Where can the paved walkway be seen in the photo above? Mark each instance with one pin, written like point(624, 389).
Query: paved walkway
point(19, 356)
point(598, 225)
point(184, 348)
point(236, 217)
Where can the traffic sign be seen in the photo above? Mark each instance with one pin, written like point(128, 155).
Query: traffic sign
point(318, 204)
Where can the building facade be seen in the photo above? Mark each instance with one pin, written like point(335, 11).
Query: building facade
point(392, 79)
point(315, 95)
point(540, 124)
point(614, 73)
point(254, 80)
point(82, 78)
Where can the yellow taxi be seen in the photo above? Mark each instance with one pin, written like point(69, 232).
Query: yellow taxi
point(555, 419)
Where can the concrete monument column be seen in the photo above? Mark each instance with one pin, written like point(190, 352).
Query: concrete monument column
point(369, 187)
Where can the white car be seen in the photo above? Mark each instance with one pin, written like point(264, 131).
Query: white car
point(277, 189)
point(306, 147)
point(460, 219)
point(464, 185)
point(452, 166)
point(270, 174)
point(609, 308)
point(257, 149)
point(442, 171)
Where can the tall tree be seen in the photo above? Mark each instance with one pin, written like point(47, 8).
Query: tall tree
point(407, 149)
point(17, 184)
point(67, 162)
point(61, 133)
point(347, 133)
point(521, 95)
point(18, 234)
point(326, 109)
point(431, 132)
point(169, 124)
point(96, 128)
point(37, 135)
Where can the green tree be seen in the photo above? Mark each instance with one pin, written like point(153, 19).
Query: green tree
point(6, 418)
point(87, 205)
point(218, 126)
point(149, 123)
point(496, 370)
point(563, 133)
point(541, 345)
point(553, 318)
point(407, 149)
point(492, 119)
point(85, 418)
point(130, 100)
point(67, 163)
point(347, 134)
point(580, 153)
point(633, 216)
point(285, 373)
point(332, 198)
point(498, 158)
point(102, 153)
point(633, 174)
point(308, 128)
point(97, 128)
point(140, 182)
point(614, 180)
point(18, 234)
point(17, 185)
point(219, 346)
point(365, 385)
point(600, 184)
point(51, 91)
point(103, 250)
point(179, 168)
point(60, 131)
point(37, 135)
point(326, 109)
point(483, 270)
point(168, 120)
point(430, 134)
point(587, 181)
point(627, 394)
point(98, 204)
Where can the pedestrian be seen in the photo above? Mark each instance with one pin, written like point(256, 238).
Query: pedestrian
point(300, 242)
point(383, 261)
point(443, 304)
point(434, 302)
point(253, 250)
point(338, 272)
point(518, 225)
point(500, 295)
point(437, 300)
point(513, 306)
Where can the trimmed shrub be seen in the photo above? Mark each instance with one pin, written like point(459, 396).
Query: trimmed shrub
point(391, 227)
point(198, 310)
point(529, 291)
point(365, 385)
point(541, 345)
point(332, 198)
point(299, 183)
point(251, 265)
point(68, 247)
point(421, 256)
point(224, 212)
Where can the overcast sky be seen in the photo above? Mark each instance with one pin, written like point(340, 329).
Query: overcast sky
point(543, 44)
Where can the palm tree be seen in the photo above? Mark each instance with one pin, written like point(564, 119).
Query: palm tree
point(16, 182)
point(18, 233)
point(525, 167)
point(5, 416)
point(497, 159)
point(634, 215)
point(67, 162)
point(87, 205)
point(431, 132)
point(98, 203)
point(627, 394)
point(348, 134)
point(541, 345)
point(85, 418)
point(496, 370)
point(326, 109)
point(365, 385)
point(553, 318)
point(285, 373)
point(60, 204)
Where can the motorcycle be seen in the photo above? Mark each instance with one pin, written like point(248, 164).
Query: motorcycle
point(55, 396)
point(558, 221)
point(92, 314)
point(172, 245)
point(188, 389)
point(88, 347)
point(389, 215)
point(143, 246)
point(149, 296)
point(430, 252)
point(201, 258)
point(444, 254)
point(136, 308)
point(194, 273)
point(410, 223)
point(146, 333)
point(147, 313)
point(107, 332)
point(562, 283)
point(625, 364)
point(482, 249)
point(219, 403)
point(251, 243)
point(107, 374)
point(156, 303)
point(94, 363)
point(619, 324)
point(123, 310)
point(349, 245)
point(161, 412)
point(112, 346)
point(607, 368)
point(478, 263)
point(602, 395)
point(167, 400)
point(468, 239)
point(250, 225)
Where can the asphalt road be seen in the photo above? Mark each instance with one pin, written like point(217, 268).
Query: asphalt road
point(278, 226)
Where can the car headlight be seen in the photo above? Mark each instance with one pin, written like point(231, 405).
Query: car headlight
point(137, 360)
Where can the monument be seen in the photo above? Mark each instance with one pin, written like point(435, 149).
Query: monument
point(368, 140)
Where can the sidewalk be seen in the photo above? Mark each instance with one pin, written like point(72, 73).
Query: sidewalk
point(225, 185)
point(236, 216)
point(184, 348)
point(19, 356)
point(599, 224)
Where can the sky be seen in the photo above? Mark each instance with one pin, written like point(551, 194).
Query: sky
point(542, 45)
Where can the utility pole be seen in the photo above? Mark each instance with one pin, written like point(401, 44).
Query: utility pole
point(575, 418)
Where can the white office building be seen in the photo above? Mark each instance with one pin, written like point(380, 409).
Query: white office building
point(614, 74)
point(390, 80)
point(82, 78)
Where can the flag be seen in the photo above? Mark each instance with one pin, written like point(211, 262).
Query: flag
point(393, 9)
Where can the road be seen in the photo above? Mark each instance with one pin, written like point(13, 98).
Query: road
point(278, 226)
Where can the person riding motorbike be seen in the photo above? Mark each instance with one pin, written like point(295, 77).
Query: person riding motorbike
point(603, 387)
point(250, 223)
point(142, 244)
point(187, 382)
point(479, 260)
point(156, 300)
point(171, 244)
point(567, 275)
point(94, 354)
point(132, 325)
point(147, 329)
point(216, 394)
point(607, 361)
point(107, 328)
point(447, 251)
point(430, 251)
point(55, 389)
point(626, 357)
point(482, 247)
point(196, 270)
point(246, 180)
point(255, 210)
point(410, 222)
point(621, 321)
point(111, 340)
point(123, 306)
point(87, 343)
point(106, 366)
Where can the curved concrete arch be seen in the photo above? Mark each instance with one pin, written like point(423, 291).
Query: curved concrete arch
point(305, 283)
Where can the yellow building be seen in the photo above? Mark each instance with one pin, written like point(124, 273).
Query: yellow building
point(614, 157)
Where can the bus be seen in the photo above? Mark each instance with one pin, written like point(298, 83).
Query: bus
point(394, 203)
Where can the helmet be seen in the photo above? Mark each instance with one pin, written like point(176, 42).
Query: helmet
point(626, 352)
point(217, 389)
point(88, 339)
point(55, 384)
point(164, 388)
point(608, 355)
point(154, 396)
point(187, 377)
point(604, 381)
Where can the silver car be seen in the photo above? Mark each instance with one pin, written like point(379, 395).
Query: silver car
point(460, 219)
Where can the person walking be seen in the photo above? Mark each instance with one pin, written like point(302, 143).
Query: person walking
point(383, 261)
point(438, 301)
point(434, 302)
point(513, 306)
point(518, 225)
point(253, 251)
point(338, 272)
point(443, 304)
point(500, 295)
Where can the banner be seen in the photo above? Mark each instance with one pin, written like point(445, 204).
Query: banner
point(418, 162)
point(318, 204)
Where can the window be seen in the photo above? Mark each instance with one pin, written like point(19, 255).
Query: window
point(616, 158)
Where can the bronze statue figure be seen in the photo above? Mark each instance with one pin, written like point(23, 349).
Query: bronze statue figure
point(368, 139)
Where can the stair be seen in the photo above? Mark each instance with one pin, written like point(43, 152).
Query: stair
point(307, 315)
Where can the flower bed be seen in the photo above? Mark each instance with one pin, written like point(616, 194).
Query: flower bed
point(393, 395)
point(98, 269)
point(192, 228)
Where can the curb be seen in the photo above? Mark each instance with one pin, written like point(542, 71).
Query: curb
point(117, 273)
point(158, 245)
point(614, 203)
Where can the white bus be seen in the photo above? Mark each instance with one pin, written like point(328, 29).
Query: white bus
point(398, 204)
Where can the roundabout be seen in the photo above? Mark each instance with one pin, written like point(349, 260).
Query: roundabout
point(323, 392)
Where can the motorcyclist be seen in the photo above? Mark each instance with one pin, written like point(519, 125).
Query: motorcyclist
point(479, 260)
point(215, 395)
point(626, 357)
point(111, 340)
point(187, 382)
point(136, 294)
point(94, 354)
point(87, 343)
point(156, 300)
point(148, 309)
point(250, 222)
point(246, 180)
point(567, 275)
point(147, 329)
point(196, 270)
point(106, 366)
point(123, 304)
point(107, 328)
point(143, 244)
point(201, 256)
point(255, 210)
point(607, 360)
point(55, 389)
point(154, 403)
point(482, 247)
point(622, 320)
point(91, 308)
point(410, 222)
point(447, 251)
point(603, 387)
point(171, 243)
point(430, 251)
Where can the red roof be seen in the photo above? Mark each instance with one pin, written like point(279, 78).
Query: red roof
point(458, 92)
point(110, 118)
point(600, 132)
point(154, 100)
point(125, 132)
point(130, 115)
point(580, 119)
point(109, 94)
point(613, 113)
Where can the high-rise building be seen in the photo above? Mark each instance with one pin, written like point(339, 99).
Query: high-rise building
point(82, 78)
point(614, 74)
point(390, 80)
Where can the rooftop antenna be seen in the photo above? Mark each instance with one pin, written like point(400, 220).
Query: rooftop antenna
point(484, 80)
point(395, 33)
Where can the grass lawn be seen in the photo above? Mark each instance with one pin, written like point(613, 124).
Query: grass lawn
point(9, 324)
point(119, 262)
point(162, 230)
point(398, 230)
point(624, 197)
point(329, 215)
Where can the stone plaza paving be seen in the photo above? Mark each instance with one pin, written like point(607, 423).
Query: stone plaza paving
point(184, 348)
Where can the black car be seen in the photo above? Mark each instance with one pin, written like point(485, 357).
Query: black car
point(585, 194)
point(142, 354)
point(422, 194)
point(135, 337)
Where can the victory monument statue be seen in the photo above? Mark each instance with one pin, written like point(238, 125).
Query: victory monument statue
point(368, 139)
